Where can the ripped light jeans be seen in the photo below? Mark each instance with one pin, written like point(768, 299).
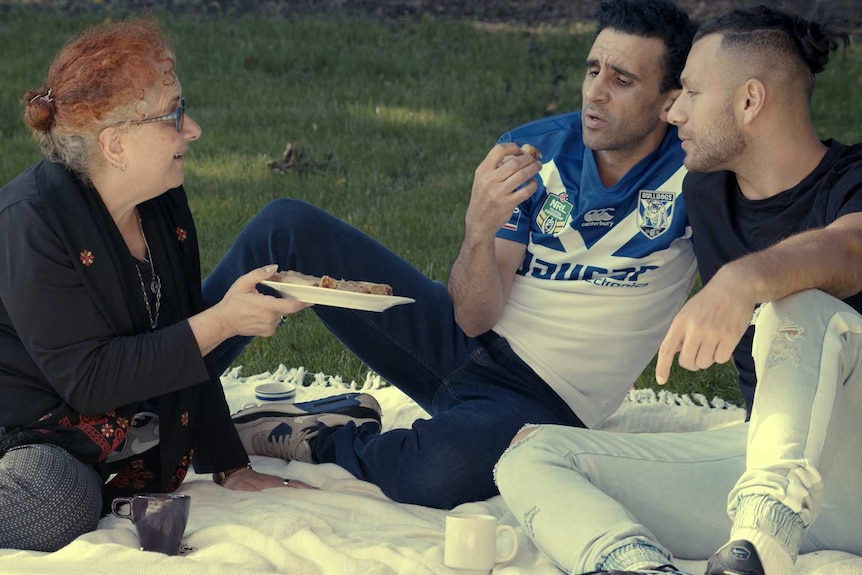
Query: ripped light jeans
point(583, 494)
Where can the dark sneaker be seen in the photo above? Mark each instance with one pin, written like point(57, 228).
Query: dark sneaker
point(736, 558)
point(288, 430)
point(661, 570)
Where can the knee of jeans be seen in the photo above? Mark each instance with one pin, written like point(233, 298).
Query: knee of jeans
point(523, 434)
point(797, 321)
point(503, 463)
point(285, 211)
point(802, 307)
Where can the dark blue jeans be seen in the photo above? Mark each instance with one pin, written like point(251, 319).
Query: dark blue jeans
point(477, 390)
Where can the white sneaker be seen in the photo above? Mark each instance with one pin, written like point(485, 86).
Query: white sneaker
point(288, 430)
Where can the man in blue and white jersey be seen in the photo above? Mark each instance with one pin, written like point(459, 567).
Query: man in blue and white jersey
point(587, 266)
point(603, 262)
point(570, 271)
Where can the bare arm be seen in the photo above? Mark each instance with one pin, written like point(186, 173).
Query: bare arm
point(827, 259)
point(480, 282)
point(709, 326)
point(482, 275)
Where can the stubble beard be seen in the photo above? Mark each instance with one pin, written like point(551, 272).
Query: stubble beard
point(616, 137)
point(716, 154)
point(722, 143)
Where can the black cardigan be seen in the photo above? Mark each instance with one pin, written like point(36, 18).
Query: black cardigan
point(74, 331)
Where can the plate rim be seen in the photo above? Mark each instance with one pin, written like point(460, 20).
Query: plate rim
point(391, 300)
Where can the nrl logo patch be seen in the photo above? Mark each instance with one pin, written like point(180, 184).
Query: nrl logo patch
point(554, 215)
point(655, 212)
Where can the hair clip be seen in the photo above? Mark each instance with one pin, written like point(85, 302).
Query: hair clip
point(47, 97)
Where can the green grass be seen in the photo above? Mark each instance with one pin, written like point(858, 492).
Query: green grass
point(405, 111)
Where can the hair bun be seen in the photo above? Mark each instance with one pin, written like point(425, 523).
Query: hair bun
point(39, 110)
point(816, 41)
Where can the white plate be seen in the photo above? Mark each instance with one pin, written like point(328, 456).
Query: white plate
point(338, 298)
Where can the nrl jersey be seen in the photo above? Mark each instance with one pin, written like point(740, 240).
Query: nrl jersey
point(606, 267)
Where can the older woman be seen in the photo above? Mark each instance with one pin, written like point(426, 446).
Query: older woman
point(105, 336)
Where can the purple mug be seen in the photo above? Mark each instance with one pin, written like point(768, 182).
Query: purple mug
point(160, 519)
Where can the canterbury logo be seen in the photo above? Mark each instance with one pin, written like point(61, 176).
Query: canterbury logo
point(602, 215)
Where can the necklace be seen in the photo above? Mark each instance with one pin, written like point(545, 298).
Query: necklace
point(155, 283)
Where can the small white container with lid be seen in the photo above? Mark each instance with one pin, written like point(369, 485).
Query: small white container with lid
point(274, 391)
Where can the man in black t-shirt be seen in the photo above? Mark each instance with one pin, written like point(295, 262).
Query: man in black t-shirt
point(777, 221)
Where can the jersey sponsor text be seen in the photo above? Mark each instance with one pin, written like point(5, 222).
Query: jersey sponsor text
point(621, 277)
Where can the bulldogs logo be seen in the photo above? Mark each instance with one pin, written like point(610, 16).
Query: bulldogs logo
point(655, 212)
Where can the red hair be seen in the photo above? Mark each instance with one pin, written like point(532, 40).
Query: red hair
point(96, 79)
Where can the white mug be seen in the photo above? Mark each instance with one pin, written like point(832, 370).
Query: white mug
point(471, 543)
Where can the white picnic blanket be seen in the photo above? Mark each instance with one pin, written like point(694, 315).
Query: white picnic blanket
point(348, 526)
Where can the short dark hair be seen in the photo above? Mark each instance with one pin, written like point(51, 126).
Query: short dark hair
point(660, 19)
point(765, 29)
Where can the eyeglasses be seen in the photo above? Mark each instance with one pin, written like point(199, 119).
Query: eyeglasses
point(177, 116)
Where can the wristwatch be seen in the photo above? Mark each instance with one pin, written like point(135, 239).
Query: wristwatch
point(220, 476)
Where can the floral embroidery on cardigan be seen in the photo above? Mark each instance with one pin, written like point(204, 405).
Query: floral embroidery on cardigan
point(133, 474)
point(180, 472)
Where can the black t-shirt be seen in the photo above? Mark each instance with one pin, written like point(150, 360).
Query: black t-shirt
point(727, 226)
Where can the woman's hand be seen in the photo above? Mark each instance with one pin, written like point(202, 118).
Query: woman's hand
point(252, 313)
point(250, 480)
point(243, 311)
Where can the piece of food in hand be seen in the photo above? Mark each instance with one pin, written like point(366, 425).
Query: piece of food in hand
point(525, 149)
point(297, 278)
point(532, 150)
